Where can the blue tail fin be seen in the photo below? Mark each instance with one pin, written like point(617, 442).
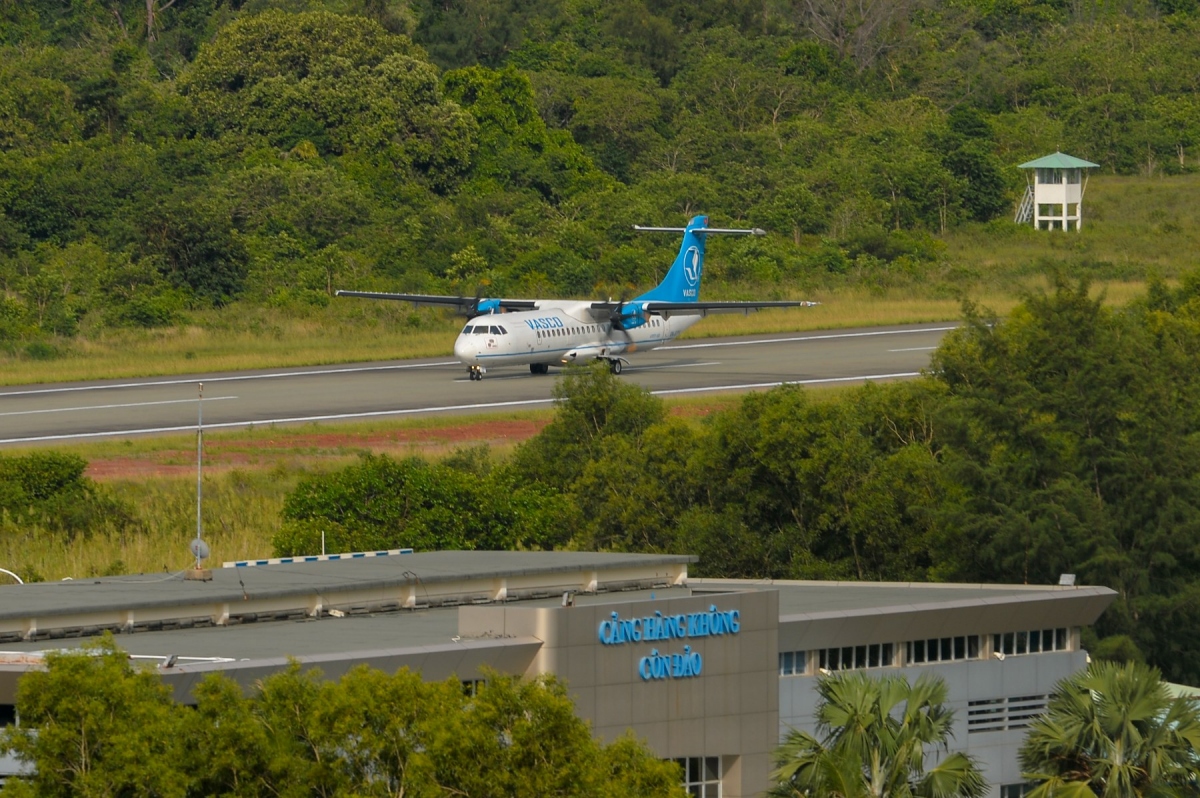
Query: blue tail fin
point(682, 283)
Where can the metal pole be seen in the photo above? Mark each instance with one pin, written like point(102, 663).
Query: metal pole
point(199, 460)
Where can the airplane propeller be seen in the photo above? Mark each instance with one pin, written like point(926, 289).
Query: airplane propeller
point(619, 319)
point(480, 305)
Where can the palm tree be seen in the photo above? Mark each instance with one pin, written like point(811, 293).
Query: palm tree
point(1113, 730)
point(870, 747)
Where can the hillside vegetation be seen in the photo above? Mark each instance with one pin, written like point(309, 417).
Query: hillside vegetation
point(209, 169)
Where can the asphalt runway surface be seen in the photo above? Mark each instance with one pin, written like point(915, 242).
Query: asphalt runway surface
point(439, 386)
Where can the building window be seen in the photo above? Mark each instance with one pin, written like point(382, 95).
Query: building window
point(701, 776)
point(8, 715)
point(941, 649)
point(471, 687)
point(1035, 642)
point(1001, 714)
point(793, 663)
point(876, 655)
point(1016, 790)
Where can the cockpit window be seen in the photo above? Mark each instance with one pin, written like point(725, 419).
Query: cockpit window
point(467, 330)
point(502, 331)
point(496, 331)
point(481, 329)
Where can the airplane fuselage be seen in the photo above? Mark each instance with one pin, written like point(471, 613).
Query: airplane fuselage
point(558, 333)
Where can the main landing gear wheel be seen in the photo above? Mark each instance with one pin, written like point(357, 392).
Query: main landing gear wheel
point(475, 373)
point(614, 365)
point(539, 368)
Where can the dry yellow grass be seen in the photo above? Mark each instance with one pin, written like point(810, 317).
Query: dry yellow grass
point(279, 341)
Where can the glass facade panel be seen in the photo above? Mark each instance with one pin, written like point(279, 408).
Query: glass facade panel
point(701, 776)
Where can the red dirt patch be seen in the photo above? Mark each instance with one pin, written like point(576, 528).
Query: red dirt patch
point(227, 455)
point(222, 455)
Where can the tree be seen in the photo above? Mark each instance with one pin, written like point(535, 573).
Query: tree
point(858, 30)
point(594, 407)
point(153, 9)
point(874, 737)
point(94, 725)
point(382, 503)
point(343, 84)
point(1113, 730)
point(1071, 429)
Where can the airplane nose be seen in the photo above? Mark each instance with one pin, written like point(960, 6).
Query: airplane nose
point(464, 351)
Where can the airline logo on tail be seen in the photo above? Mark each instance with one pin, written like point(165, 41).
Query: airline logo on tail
point(691, 265)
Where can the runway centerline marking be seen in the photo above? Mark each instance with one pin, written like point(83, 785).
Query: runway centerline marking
point(113, 407)
point(443, 409)
point(674, 366)
point(830, 336)
point(626, 370)
point(234, 378)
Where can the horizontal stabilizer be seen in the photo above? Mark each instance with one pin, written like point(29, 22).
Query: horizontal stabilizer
point(756, 231)
point(668, 309)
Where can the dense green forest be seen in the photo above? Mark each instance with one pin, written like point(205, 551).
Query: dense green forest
point(163, 157)
point(1061, 440)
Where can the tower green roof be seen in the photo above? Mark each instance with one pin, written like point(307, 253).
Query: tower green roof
point(1059, 160)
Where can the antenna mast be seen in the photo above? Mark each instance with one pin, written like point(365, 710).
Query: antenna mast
point(198, 547)
point(199, 460)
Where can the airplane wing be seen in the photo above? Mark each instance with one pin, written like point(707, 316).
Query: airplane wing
point(668, 309)
point(466, 305)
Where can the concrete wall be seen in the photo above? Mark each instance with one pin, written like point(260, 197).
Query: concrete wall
point(730, 710)
point(967, 680)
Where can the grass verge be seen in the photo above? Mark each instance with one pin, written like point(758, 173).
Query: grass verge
point(271, 339)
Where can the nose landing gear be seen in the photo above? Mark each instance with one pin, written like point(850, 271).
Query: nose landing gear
point(539, 368)
point(475, 373)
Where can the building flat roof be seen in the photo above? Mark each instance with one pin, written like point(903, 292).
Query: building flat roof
point(833, 605)
point(235, 585)
point(306, 637)
point(811, 598)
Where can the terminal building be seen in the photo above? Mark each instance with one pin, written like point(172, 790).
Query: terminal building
point(709, 672)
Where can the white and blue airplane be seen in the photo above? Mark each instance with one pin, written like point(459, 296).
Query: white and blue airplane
point(542, 333)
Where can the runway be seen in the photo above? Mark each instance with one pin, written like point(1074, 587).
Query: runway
point(37, 414)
